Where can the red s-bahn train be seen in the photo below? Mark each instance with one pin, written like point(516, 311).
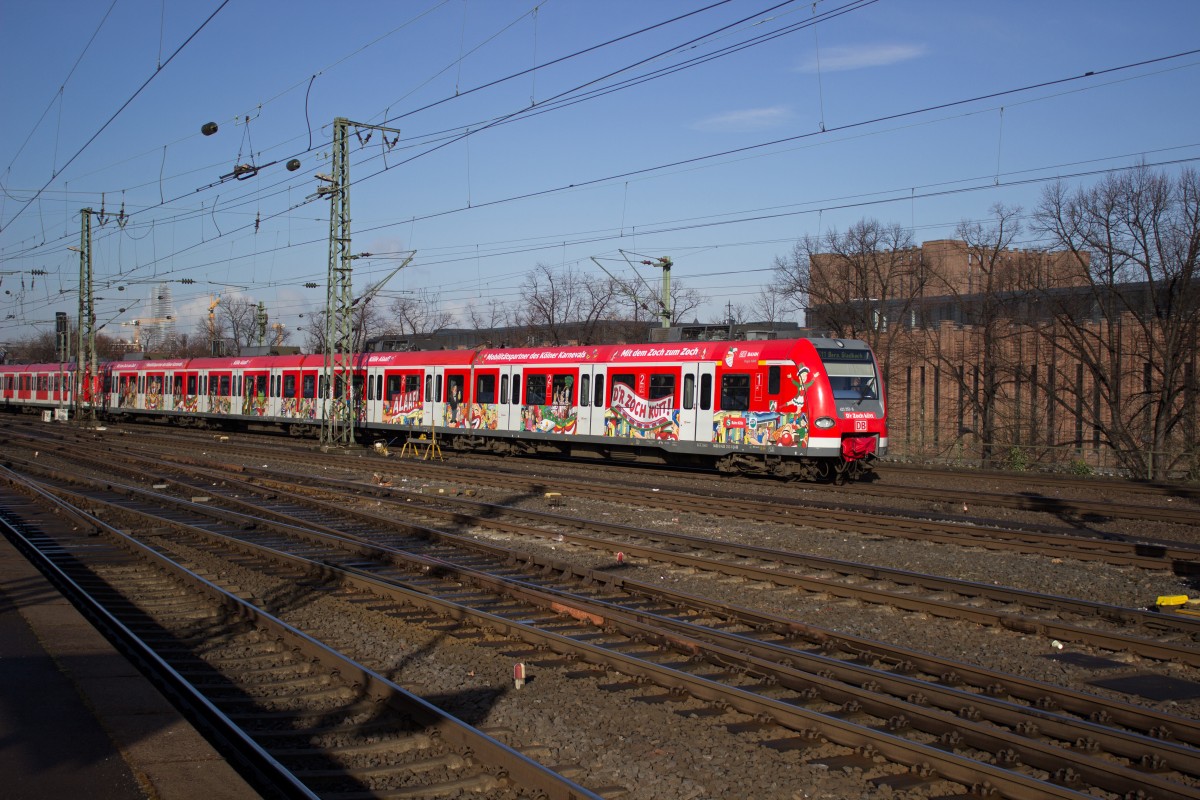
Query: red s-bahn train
point(804, 408)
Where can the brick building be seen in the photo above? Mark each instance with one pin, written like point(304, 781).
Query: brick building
point(1013, 357)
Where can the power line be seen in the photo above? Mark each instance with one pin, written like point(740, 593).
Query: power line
point(117, 113)
point(61, 87)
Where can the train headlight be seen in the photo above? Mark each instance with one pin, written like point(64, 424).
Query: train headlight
point(825, 422)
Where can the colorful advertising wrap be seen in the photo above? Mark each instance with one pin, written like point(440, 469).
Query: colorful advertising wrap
point(639, 412)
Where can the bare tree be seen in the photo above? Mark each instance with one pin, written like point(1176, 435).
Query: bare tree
point(37, 348)
point(635, 301)
point(489, 315)
point(418, 315)
point(1133, 319)
point(367, 323)
point(214, 328)
point(238, 316)
point(986, 299)
point(769, 305)
point(684, 302)
point(565, 304)
point(859, 284)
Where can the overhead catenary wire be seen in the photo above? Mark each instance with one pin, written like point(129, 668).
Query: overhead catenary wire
point(109, 121)
point(910, 196)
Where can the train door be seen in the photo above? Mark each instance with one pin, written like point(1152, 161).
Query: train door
point(696, 402)
point(457, 398)
point(586, 411)
point(152, 391)
point(274, 386)
point(41, 387)
point(358, 396)
point(255, 393)
point(187, 391)
point(483, 410)
point(508, 399)
point(306, 407)
point(433, 398)
point(372, 394)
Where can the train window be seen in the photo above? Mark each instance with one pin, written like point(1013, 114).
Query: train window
point(225, 387)
point(485, 389)
point(662, 386)
point(735, 392)
point(141, 384)
point(773, 380)
point(260, 386)
point(516, 387)
point(394, 387)
point(437, 392)
point(191, 384)
point(853, 387)
point(599, 396)
point(454, 389)
point(379, 387)
point(503, 388)
point(428, 388)
point(563, 393)
point(585, 389)
point(535, 390)
point(308, 386)
point(706, 392)
point(689, 391)
point(289, 385)
point(625, 379)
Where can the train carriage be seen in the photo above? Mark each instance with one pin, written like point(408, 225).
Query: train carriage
point(808, 408)
point(36, 386)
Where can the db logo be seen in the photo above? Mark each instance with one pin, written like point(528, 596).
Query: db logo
point(860, 424)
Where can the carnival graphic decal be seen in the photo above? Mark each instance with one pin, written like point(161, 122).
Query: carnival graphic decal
point(637, 417)
point(784, 425)
point(403, 409)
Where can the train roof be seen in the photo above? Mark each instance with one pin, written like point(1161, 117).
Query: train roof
point(417, 358)
point(734, 354)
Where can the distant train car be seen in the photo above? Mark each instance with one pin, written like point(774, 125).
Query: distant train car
point(805, 408)
point(35, 387)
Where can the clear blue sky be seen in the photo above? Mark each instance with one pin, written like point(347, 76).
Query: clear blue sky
point(735, 150)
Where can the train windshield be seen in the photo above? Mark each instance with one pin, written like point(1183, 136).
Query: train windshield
point(851, 373)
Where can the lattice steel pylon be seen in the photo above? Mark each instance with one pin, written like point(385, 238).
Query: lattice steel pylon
point(340, 406)
point(86, 368)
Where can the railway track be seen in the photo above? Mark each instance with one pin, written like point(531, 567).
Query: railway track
point(817, 704)
point(1147, 634)
point(1145, 552)
point(301, 719)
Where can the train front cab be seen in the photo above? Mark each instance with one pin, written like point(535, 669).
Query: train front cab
point(857, 426)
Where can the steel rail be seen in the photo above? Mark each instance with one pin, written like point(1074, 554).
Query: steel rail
point(951, 765)
point(524, 771)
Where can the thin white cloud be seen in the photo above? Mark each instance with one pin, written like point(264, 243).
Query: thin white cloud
point(838, 59)
point(750, 119)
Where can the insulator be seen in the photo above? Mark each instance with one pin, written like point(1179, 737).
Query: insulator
point(293, 165)
point(208, 128)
